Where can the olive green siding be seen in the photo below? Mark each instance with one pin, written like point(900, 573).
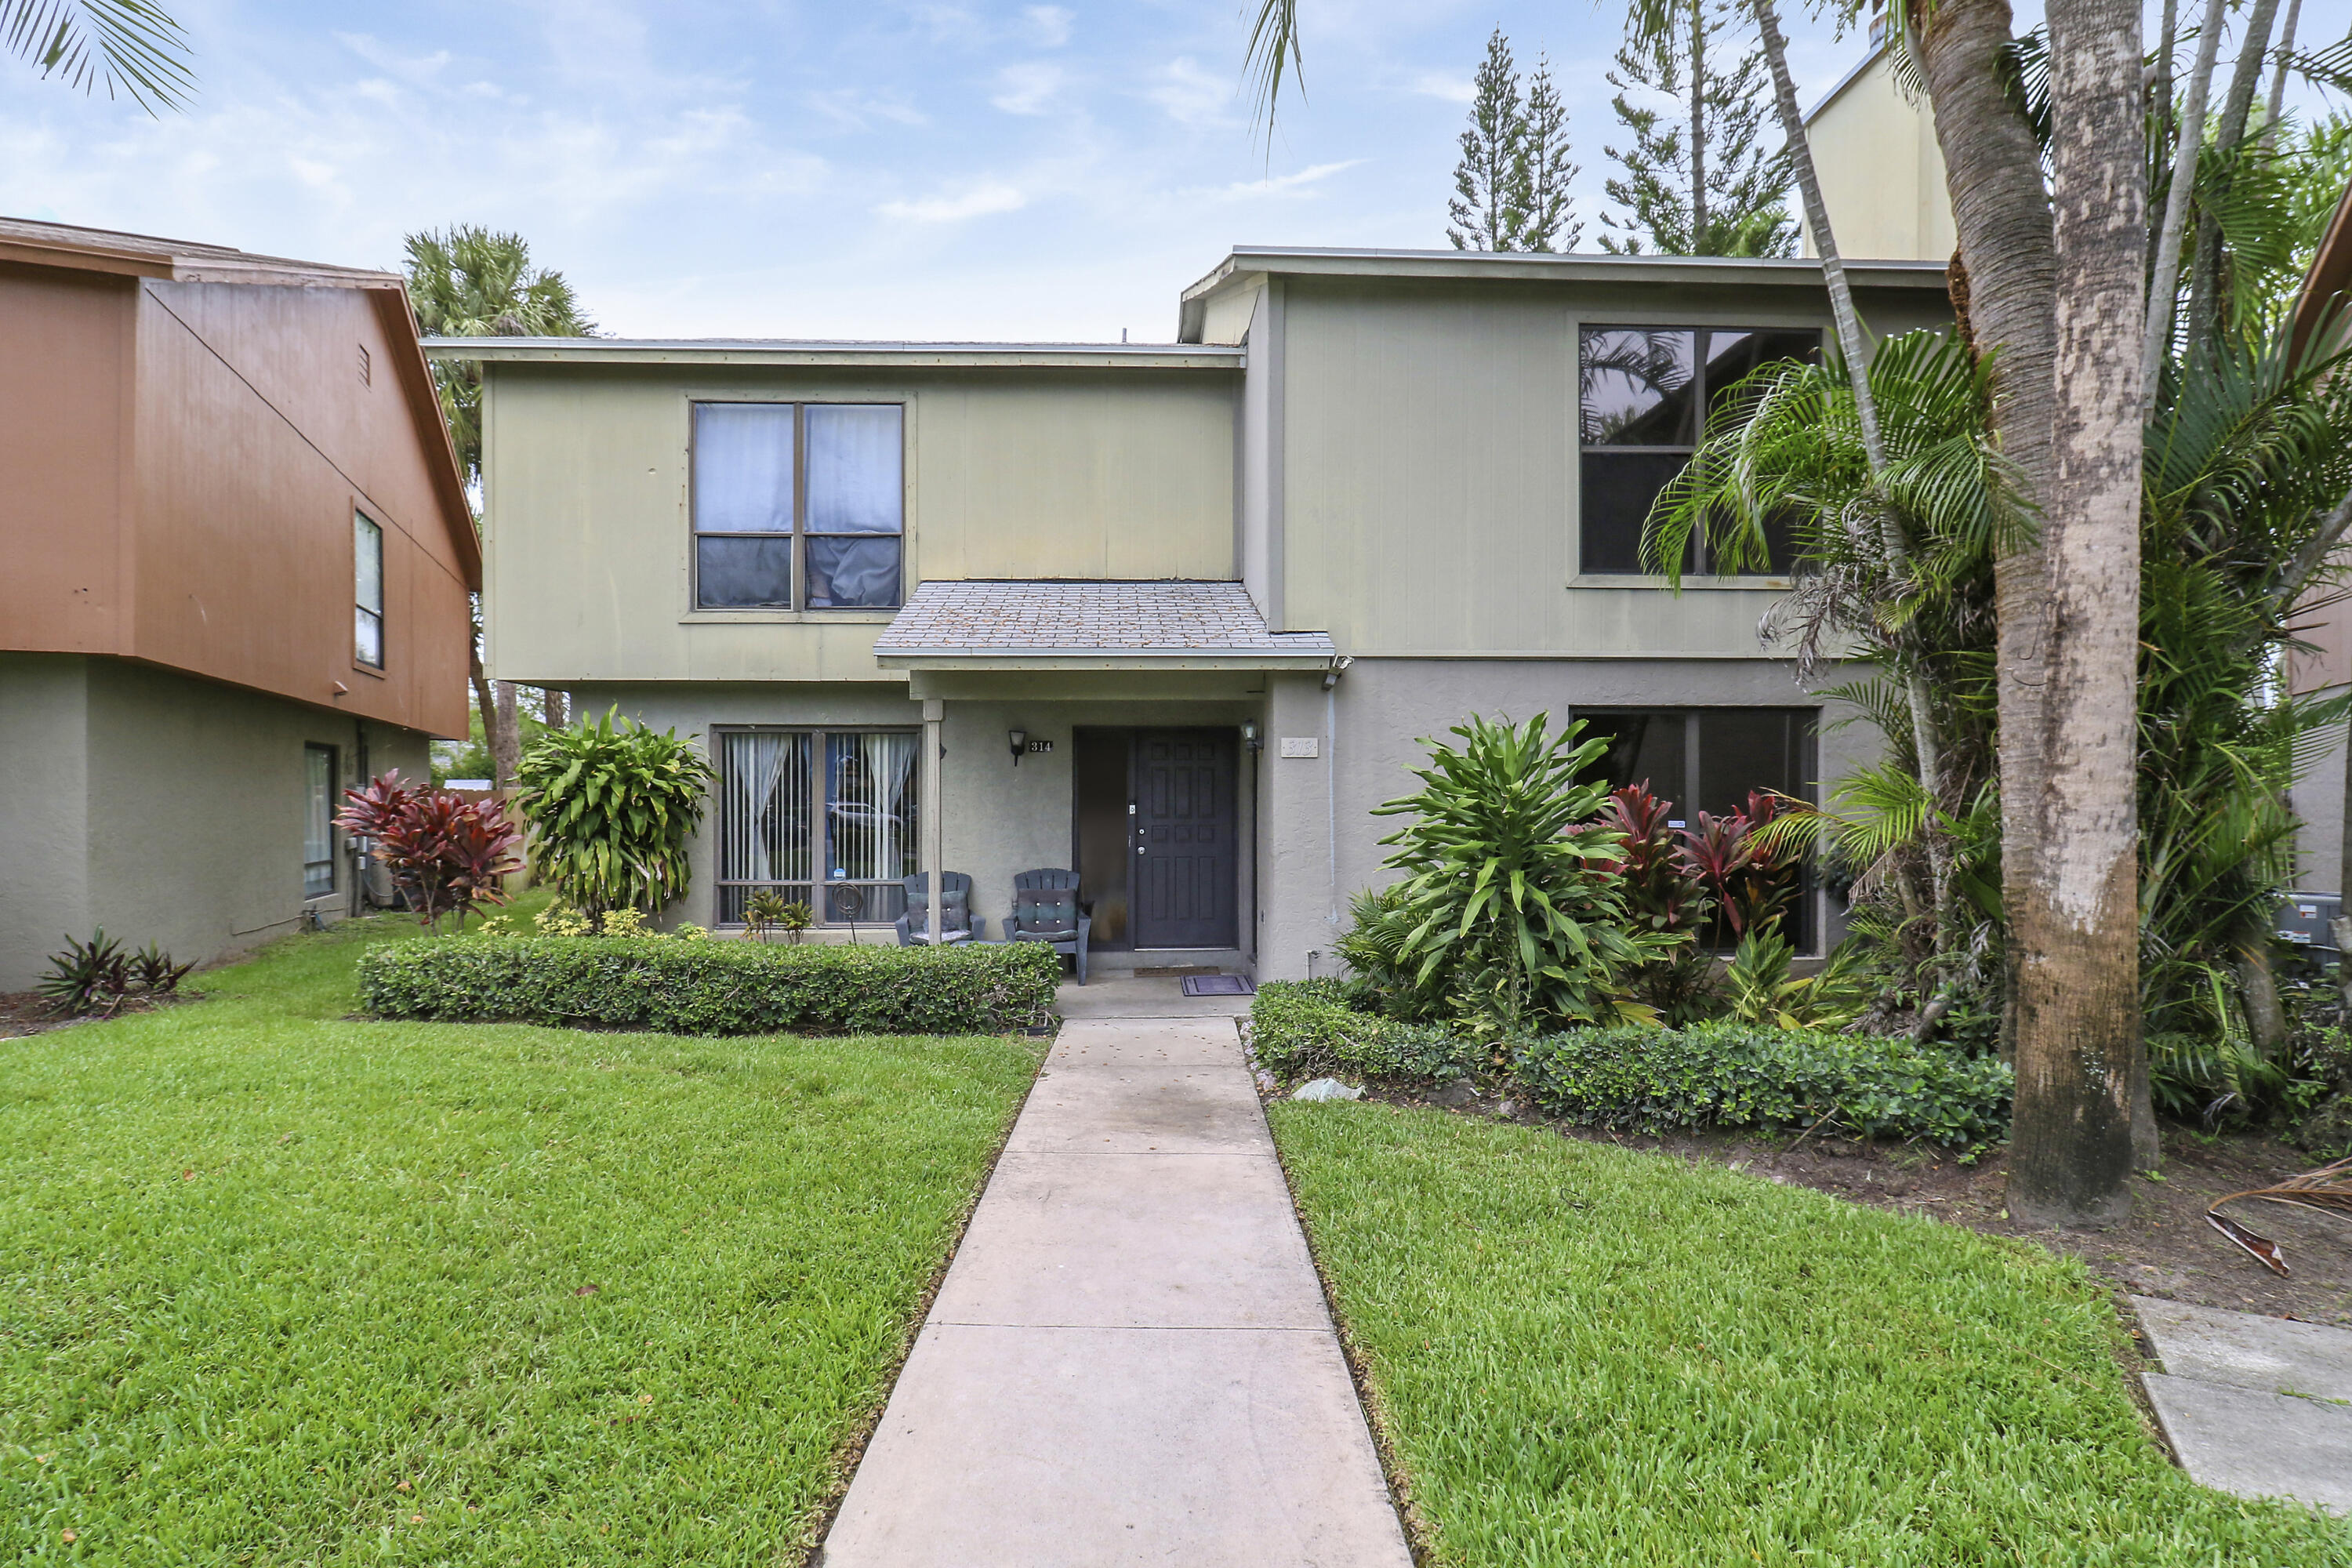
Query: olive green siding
point(1016, 473)
point(1428, 466)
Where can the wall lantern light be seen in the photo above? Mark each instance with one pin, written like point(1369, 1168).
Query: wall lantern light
point(1252, 737)
point(1020, 738)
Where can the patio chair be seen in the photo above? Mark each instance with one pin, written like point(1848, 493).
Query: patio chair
point(955, 890)
point(1045, 908)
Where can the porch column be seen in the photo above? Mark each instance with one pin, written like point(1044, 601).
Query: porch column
point(934, 845)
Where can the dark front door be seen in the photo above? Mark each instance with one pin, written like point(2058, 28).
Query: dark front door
point(1186, 864)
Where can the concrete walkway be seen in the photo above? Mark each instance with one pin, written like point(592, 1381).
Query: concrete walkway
point(2256, 1405)
point(1130, 1361)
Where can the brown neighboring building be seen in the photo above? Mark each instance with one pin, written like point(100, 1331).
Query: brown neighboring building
point(235, 555)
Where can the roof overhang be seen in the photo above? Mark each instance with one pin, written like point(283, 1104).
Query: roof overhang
point(891, 355)
point(1249, 264)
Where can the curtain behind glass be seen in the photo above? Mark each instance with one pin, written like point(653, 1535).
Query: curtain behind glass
point(318, 829)
point(871, 831)
point(763, 820)
point(743, 467)
point(854, 458)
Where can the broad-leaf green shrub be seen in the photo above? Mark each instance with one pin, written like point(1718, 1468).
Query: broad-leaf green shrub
point(1512, 914)
point(1304, 1027)
point(713, 987)
point(1739, 1075)
point(611, 806)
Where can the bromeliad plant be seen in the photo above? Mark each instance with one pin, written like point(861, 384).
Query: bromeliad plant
point(1512, 915)
point(611, 806)
point(445, 854)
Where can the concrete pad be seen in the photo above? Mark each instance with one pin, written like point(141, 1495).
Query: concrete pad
point(1205, 1042)
point(2255, 1445)
point(1142, 1110)
point(1147, 1241)
point(1090, 1448)
point(2248, 1350)
point(1142, 996)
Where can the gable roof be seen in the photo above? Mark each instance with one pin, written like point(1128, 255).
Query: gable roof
point(109, 251)
point(1009, 624)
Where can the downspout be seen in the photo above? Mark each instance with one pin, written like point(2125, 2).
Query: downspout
point(1331, 777)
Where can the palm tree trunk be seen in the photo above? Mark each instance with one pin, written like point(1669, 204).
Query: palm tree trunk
point(2079, 1045)
point(1994, 174)
point(2276, 103)
point(1853, 344)
point(2205, 280)
point(2164, 287)
point(505, 737)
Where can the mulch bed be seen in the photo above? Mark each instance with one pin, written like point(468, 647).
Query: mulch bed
point(22, 1012)
point(2166, 1249)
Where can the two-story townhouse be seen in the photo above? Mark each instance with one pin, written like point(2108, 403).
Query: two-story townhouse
point(1173, 616)
point(235, 557)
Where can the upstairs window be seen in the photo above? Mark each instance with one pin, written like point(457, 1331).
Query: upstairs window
point(799, 506)
point(367, 589)
point(1644, 395)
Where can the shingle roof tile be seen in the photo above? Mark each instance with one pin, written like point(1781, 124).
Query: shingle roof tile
point(1056, 616)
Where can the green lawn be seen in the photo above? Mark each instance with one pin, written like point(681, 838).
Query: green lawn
point(276, 1288)
point(1590, 1356)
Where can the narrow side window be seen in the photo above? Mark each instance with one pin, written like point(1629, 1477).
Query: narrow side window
point(367, 589)
point(317, 821)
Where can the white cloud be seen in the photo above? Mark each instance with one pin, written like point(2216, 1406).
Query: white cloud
point(1189, 94)
point(1026, 88)
point(988, 198)
point(1439, 85)
point(1285, 184)
point(408, 68)
point(1049, 26)
point(855, 110)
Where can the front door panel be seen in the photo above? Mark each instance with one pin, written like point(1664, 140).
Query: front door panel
point(1185, 850)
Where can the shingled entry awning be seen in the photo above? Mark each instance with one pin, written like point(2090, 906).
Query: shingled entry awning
point(1077, 624)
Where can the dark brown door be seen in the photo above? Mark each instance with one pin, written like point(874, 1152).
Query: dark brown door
point(1183, 892)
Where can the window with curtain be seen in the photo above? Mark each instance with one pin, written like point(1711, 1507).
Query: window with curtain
point(317, 821)
point(367, 590)
point(837, 803)
point(1644, 397)
point(799, 506)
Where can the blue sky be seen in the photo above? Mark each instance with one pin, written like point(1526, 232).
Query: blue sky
point(977, 170)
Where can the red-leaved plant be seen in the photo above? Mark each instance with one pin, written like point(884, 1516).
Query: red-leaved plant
point(446, 854)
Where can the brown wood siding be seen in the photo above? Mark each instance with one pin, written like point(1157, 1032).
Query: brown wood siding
point(250, 438)
point(64, 358)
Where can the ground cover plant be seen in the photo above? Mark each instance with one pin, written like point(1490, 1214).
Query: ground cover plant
point(1582, 1353)
point(704, 987)
point(284, 1287)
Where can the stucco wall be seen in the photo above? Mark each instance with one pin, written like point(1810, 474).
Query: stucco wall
point(998, 820)
point(1428, 466)
point(1377, 715)
point(164, 809)
point(1881, 172)
point(1030, 473)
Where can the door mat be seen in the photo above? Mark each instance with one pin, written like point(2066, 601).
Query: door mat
point(1217, 985)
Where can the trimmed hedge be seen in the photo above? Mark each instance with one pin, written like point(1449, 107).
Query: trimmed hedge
point(1739, 1075)
point(713, 987)
point(1304, 1027)
point(1722, 1074)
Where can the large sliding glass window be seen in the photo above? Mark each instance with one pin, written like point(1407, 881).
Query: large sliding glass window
point(839, 801)
point(799, 506)
point(1644, 397)
point(1709, 760)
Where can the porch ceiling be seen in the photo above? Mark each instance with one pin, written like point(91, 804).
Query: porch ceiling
point(1090, 625)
